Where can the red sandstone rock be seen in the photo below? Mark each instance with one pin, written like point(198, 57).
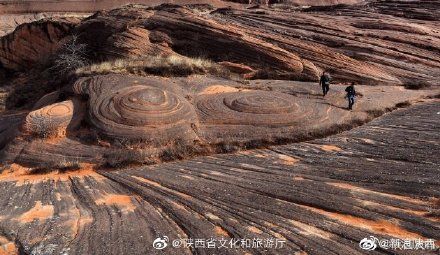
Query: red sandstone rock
point(134, 32)
point(32, 43)
point(237, 68)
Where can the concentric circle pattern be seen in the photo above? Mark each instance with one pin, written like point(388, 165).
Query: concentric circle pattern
point(259, 108)
point(260, 103)
point(142, 112)
point(52, 119)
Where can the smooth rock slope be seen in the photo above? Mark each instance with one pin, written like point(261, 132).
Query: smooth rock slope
point(321, 197)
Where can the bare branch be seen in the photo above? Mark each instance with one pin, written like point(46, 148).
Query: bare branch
point(71, 56)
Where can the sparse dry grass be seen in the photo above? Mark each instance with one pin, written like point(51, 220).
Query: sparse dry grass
point(119, 158)
point(68, 164)
point(63, 165)
point(171, 65)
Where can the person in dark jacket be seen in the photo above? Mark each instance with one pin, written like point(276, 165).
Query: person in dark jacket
point(324, 81)
point(351, 94)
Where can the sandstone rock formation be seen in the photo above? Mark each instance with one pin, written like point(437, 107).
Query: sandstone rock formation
point(371, 42)
point(320, 197)
point(90, 6)
point(8, 22)
point(55, 119)
point(298, 2)
point(154, 116)
point(134, 119)
point(391, 49)
point(109, 160)
point(32, 43)
point(143, 110)
point(135, 32)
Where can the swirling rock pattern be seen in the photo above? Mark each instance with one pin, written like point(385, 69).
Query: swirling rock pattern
point(372, 42)
point(152, 119)
point(257, 108)
point(322, 197)
point(144, 111)
point(54, 119)
point(250, 115)
point(180, 29)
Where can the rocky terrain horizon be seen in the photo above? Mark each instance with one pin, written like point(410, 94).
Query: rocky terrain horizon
point(166, 127)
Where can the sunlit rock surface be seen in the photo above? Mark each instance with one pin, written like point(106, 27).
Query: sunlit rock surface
point(321, 196)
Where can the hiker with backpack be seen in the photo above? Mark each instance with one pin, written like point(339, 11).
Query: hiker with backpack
point(351, 95)
point(324, 81)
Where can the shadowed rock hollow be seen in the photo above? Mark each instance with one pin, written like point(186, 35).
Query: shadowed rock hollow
point(32, 43)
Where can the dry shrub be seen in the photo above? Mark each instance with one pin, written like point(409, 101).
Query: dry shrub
point(71, 56)
point(68, 164)
point(375, 113)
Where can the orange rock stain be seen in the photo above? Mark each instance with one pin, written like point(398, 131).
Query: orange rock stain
point(330, 148)
point(220, 231)
point(38, 212)
point(215, 89)
point(255, 230)
point(122, 201)
point(363, 190)
point(22, 175)
point(7, 247)
point(287, 160)
point(376, 226)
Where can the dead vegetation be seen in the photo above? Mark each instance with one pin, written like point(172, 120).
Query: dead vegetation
point(64, 165)
point(68, 164)
point(124, 157)
point(171, 65)
point(71, 56)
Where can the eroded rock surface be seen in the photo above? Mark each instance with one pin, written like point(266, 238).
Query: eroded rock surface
point(370, 42)
point(32, 43)
point(121, 119)
point(71, 175)
point(321, 197)
point(136, 32)
point(9, 22)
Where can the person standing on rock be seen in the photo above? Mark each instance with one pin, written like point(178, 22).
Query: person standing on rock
point(324, 81)
point(351, 94)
